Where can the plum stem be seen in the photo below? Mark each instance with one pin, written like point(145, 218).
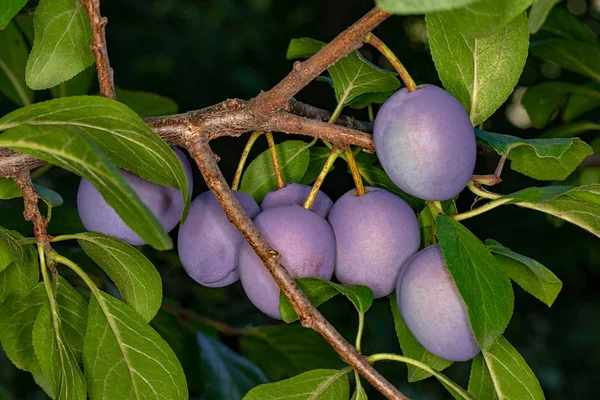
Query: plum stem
point(371, 113)
point(335, 153)
point(497, 200)
point(391, 57)
point(491, 179)
point(349, 156)
point(273, 151)
point(240, 168)
point(406, 360)
point(361, 328)
point(475, 187)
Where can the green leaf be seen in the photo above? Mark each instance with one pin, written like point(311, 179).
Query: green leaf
point(18, 314)
point(79, 85)
point(20, 277)
point(146, 104)
point(572, 129)
point(75, 152)
point(283, 350)
point(259, 177)
point(9, 189)
point(483, 18)
point(319, 384)
point(486, 291)
point(511, 376)
point(73, 315)
point(124, 358)
point(480, 73)
point(375, 176)
point(13, 58)
point(226, 374)
point(480, 381)
point(318, 157)
point(119, 132)
point(538, 14)
point(8, 9)
point(581, 58)
point(319, 291)
point(50, 197)
point(577, 205)
point(10, 250)
point(543, 159)
point(579, 104)
point(413, 349)
point(57, 361)
point(135, 276)
point(303, 48)
point(353, 76)
point(532, 276)
point(561, 23)
point(363, 100)
point(359, 393)
point(61, 48)
point(403, 7)
point(25, 24)
point(543, 99)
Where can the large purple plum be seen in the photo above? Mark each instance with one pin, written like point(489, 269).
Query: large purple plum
point(425, 142)
point(295, 193)
point(307, 247)
point(208, 244)
point(432, 308)
point(166, 203)
point(375, 234)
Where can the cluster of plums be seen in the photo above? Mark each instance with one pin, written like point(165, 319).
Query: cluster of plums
point(425, 143)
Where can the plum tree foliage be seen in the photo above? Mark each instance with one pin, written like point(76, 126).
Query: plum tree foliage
point(82, 337)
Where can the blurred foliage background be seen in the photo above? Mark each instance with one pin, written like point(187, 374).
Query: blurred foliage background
point(201, 52)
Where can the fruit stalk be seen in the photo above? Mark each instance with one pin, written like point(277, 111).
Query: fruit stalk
point(273, 151)
point(391, 57)
point(335, 153)
point(349, 155)
point(240, 168)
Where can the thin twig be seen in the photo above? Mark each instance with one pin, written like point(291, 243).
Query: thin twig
point(310, 317)
point(105, 72)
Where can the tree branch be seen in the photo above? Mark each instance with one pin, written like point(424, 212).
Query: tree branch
point(32, 212)
point(105, 72)
point(310, 317)
point(308, 111)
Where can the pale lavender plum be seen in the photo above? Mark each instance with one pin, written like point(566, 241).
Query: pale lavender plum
point(432, 308)
point(375, 234)
point(166, 203)
point(425, 142)
point(307, 247)
point(295, 193)
point(208, 244)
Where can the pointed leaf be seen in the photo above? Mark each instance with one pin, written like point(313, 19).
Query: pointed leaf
point(9, 189)
point(532, 276)
point(319, 291)
point(581, 58)
point(57, 361)
point(146, 104)
point(543, 159)
point(73, 316)
point(135, 276)
point(259, 177)
point(359, 393)
point(561, 23)
point(483, 18)
point(375, 176)
point(480, 73)
point(20, 277)
point(486, 291)
point(74, 151)
point(61, 48)
point(287, 350)
point(10, 250)
point(538, 14)
point(319, 384)
point(8, 9)
point(227, 375)
point(120, 133)
point(18, 314)
point(124, 358)
point(403, 7)
point(511, 376)
point(480, 381)
point(13, 58)
point(303, 48)
point(413, 349)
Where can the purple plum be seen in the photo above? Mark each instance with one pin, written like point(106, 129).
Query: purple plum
point(375, 234)
point(166, 203)
point(307, 247)
point(425, 142)
point(208, 244)
point(432, 308)
point(295, 193)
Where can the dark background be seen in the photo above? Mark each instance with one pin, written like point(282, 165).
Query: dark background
point(202, 52)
